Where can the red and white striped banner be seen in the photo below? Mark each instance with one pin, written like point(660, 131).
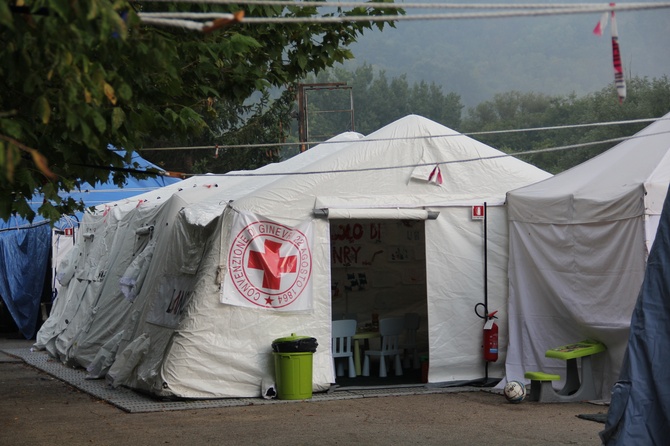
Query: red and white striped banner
point(619, 80)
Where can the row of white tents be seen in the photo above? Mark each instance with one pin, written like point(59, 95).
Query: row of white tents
point(26, 247)
point(184, 294)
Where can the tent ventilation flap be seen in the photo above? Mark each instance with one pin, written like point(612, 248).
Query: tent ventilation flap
point(381, 214)
point(145, 230)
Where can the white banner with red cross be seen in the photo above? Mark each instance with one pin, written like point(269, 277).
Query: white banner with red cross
point(269, 265)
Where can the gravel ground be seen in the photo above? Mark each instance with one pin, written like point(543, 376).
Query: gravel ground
point(37, 409)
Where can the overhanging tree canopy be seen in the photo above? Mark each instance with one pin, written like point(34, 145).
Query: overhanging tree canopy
point(79, 75)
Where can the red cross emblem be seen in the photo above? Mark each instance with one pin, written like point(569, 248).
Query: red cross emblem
point(272, 264)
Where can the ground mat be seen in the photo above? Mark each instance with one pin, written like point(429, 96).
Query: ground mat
point(134, 402)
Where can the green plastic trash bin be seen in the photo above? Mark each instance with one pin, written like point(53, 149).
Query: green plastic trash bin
point(293, 357)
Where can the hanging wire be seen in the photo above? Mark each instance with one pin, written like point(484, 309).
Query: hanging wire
point(384, 5)
point(455, 16)
point(533, 10)
point(490, 132)
point(439, 163)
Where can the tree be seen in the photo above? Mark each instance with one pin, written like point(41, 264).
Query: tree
point(647, 98)
point(378, 102)
point(264, 120)
point(79, 75)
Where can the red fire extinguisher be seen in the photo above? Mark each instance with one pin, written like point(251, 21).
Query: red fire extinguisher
point(491, 338)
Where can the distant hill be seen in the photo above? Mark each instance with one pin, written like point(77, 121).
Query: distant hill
point(477, 58)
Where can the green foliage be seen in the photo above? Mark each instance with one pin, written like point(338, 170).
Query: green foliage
point(554, 55)
point(378, 101)
point(646, 99)
point(79, 75)
point(262, 121)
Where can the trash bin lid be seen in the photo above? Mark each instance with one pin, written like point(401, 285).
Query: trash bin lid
point(291, 338)
point(295, 343)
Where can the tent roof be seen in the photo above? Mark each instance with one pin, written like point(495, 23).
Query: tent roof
point(239, 184)
point(610, 186)
point(391, 168)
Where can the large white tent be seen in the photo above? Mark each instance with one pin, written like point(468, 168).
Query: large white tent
point(578, 248)
point(124, 242)
point(113, 236)
point(197, 338)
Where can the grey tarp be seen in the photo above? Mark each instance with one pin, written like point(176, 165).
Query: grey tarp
point(639, 411)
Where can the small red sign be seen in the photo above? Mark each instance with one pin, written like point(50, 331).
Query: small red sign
point(69, 231)
point(478, 212)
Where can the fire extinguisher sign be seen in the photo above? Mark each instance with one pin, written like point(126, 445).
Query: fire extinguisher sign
point(478, 212)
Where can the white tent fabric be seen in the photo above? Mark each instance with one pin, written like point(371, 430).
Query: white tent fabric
point(108, 296)
point(23, 293)
point(66, 255)
point(217, 350)
point(578, 248)
point(179, 267)
point(109, 241)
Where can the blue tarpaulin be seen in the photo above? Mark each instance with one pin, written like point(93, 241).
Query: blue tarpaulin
point(25, 246)
point(639, 412)
point(23, 264)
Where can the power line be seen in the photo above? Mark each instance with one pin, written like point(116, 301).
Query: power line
point(383, 5)
point(518, 10)
point(490, 132)
point(454, 16)
point(442, 163)
point(533, 10)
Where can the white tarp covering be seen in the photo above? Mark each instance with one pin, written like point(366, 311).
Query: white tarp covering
point(100, 277)
point(578, 248)
point(133, 228)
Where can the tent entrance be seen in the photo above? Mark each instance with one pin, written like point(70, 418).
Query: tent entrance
point(378, 270)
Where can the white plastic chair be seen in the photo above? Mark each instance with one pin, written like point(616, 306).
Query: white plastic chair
point(412, 322)
point(390, 330)
point(342, 332)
